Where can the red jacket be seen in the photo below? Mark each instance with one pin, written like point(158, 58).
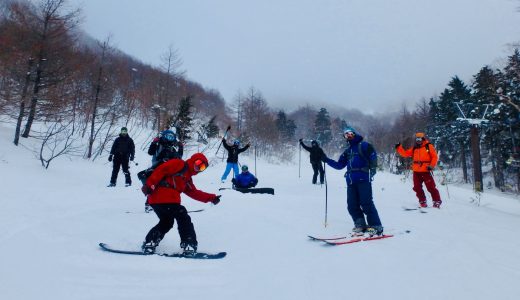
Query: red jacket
point(422, 157)
point(168, 188)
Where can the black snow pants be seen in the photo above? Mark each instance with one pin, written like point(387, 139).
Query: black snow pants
point(167, 214)
point(118, 163)
point(317, 167)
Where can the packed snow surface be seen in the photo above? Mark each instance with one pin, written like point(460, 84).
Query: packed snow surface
point(51, 222)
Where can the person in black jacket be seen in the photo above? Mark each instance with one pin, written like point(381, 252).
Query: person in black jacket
point(165, 147)
point(122, 151)
point(315, 157)
point(232, 160)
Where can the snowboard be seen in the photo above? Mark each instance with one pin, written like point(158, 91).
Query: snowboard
point(196, 255)
point(252, 190)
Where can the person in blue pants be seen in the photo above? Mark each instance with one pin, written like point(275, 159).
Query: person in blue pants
point(360, 158)
point(232, 160)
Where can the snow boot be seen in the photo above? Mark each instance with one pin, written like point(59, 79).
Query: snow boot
point(437, 204)
point(357, 231)
point(128, 184)
point(423, 204)
point(111, 185)
point(188, 248)
point(147, 208)
point(374, 230)
point(149, 247)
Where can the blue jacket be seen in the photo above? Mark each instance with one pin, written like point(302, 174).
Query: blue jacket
point(359, 167)
point(245, 180)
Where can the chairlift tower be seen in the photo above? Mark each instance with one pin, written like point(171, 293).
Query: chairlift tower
point(475, 145)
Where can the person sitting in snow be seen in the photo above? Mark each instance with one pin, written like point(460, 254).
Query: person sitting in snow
point(163, 189)
point(245, 179)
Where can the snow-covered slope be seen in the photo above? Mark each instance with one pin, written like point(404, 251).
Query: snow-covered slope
point(51, 222)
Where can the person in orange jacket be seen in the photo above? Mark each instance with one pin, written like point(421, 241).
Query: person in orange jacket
point(424, 161)
point(163, 189)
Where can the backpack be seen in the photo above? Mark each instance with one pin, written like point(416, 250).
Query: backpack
point(365, 158)
point(144, 174)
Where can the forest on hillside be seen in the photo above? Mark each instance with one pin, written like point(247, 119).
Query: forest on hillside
point(80, 91)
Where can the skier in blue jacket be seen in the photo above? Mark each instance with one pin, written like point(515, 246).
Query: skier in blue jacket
point(245, 179)
point(360, 158)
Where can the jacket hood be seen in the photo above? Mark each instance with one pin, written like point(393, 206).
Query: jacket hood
point(192, 159)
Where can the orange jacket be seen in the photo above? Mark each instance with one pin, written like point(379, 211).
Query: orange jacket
point(423, 156)
point(167, 188)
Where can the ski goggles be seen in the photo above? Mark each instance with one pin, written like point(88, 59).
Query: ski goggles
point(349, 133)
point(199, 165)
point(418, 140)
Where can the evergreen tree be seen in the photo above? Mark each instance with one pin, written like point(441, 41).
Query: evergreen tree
point(447, 132)
point(211, 129)
point(485, 85)
point(183, 120)
point(322, 127)
point(285, 127)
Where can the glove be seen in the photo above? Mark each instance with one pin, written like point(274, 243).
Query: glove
point(131, 158)
point(430, 168)
point(216, 200)
point(397, 145)
point(300, 140)
point(156, 140)
point(110, 157)
point(146, 190)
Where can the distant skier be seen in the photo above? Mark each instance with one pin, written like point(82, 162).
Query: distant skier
point(360, 158)
point(316, 153)
point(245, 179)
point(163, 189)
point(232, 160)
point(424, 159)
point(123, 151)
point(165, 147)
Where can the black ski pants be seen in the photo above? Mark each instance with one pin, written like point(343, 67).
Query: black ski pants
point(167, 214)
point(119, 162)
point(317, 167)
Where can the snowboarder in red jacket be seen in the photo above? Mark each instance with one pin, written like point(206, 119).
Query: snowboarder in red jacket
point(164, 188)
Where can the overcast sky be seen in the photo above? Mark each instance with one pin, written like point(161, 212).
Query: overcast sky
point(372, 55)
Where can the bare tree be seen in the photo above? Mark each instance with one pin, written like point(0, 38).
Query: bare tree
point(52, 32)
point(105, 48)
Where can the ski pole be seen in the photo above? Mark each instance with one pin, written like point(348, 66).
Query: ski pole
point(446, 183)
point(326, 193)
point(255, 162)
point(300, 162)
point(225, 134)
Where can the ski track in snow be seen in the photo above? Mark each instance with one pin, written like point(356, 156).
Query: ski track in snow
point(52, 221)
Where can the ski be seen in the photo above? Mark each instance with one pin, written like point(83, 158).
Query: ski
point(326, 239)
point(196, 255)
point(146, 212)
point(420, 209)
point(356, 240)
